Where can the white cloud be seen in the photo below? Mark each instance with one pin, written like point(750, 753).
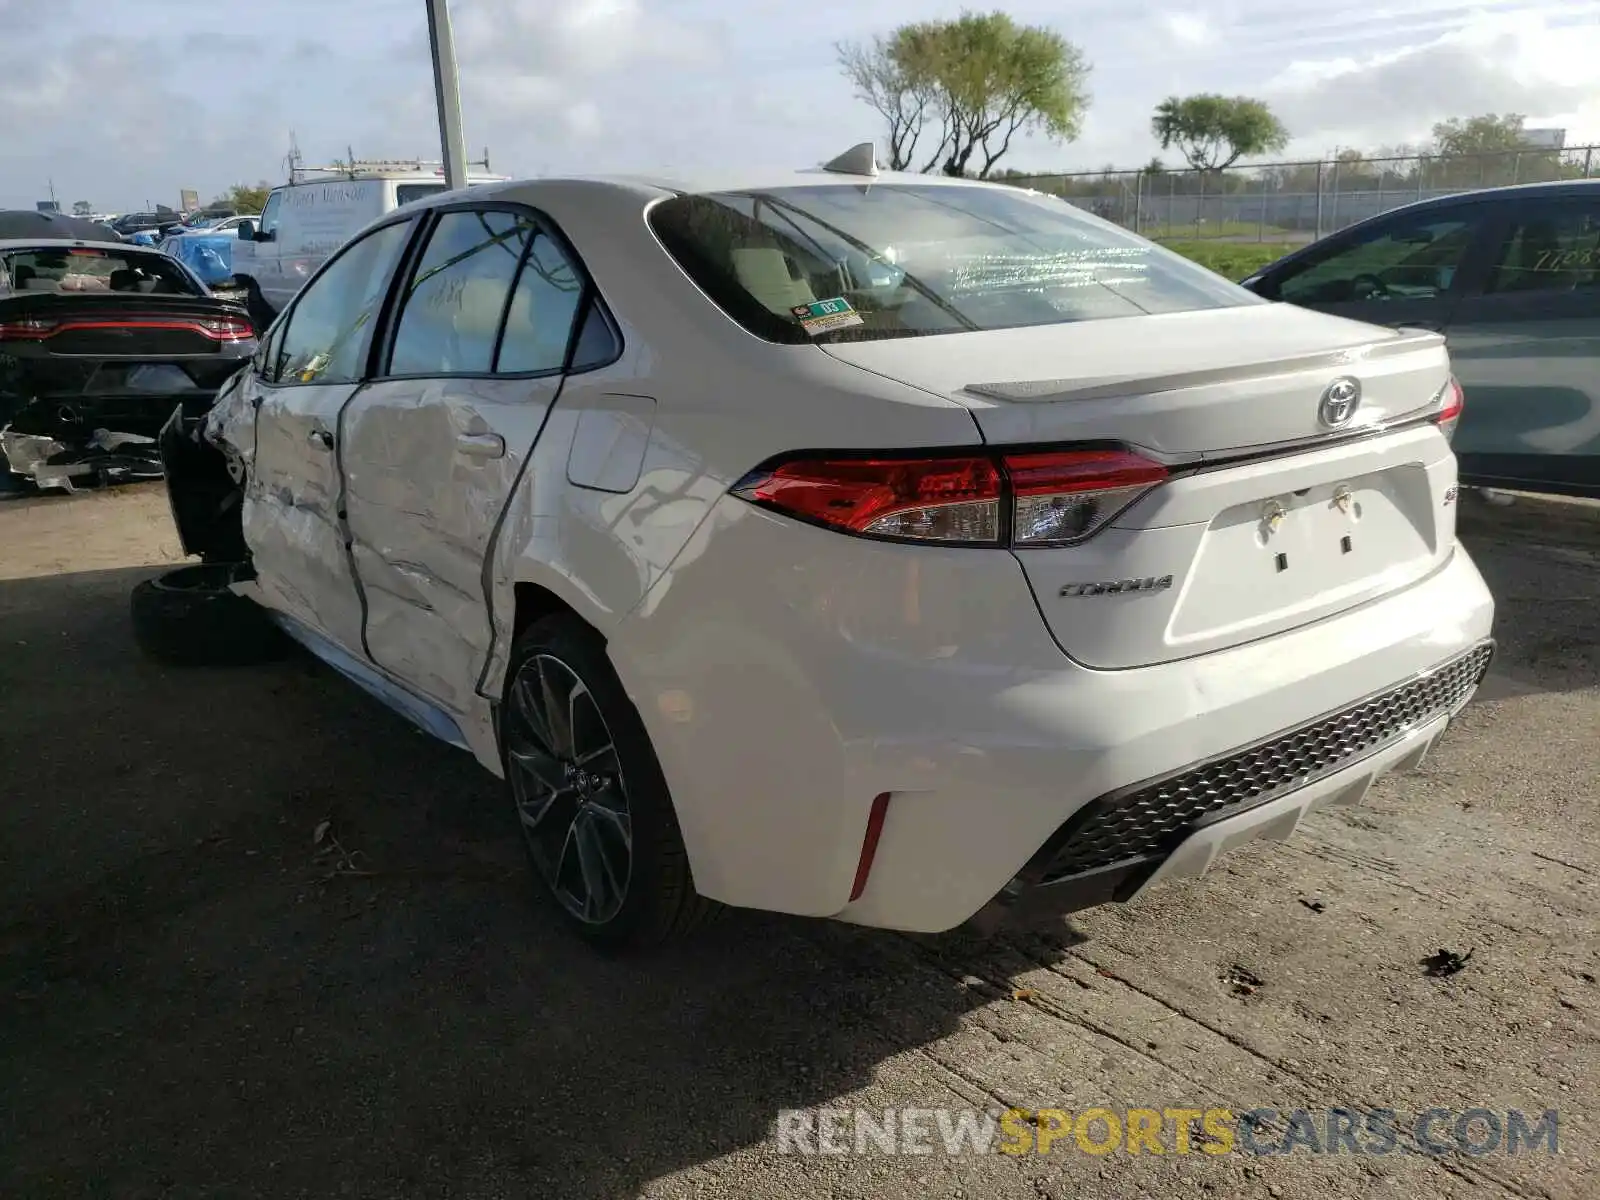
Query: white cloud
point(543, 82)
point(1513, 62)
point(117, 113)
point(1187, 29)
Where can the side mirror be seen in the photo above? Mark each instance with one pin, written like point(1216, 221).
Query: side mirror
point(247, 231)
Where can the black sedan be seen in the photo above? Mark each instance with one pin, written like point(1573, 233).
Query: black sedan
point(99, 342)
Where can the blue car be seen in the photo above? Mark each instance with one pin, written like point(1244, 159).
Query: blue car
point(207, 250)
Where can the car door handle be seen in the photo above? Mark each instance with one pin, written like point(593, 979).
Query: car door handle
point(320, 438)
point(481, 445)
point(1430, 326)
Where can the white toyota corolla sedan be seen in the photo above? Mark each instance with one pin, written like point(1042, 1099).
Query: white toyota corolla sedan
point(895, 549)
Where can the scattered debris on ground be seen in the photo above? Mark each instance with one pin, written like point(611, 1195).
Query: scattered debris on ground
point(1445, 963)
point(1242, 981)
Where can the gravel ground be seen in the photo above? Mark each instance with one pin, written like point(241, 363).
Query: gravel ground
point(195, 1002)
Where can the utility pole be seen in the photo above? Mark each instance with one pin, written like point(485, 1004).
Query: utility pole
point(447, 93)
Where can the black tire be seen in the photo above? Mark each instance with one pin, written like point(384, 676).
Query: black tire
point(189, 618)
point(660, 903)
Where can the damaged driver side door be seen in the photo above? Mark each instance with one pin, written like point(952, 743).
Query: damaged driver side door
point(293, 505)
point(438, 441)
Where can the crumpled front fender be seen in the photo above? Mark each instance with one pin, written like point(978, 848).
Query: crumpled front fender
point(230, 425)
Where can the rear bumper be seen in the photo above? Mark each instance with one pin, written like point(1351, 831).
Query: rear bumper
point(787, 676)
point(1193, 721)
point(1119, 846)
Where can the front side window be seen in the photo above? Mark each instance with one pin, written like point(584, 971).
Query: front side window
point(268, 353)
point(454, 303)
point(269, 213)
point(1549, 249)
point(327, 331)
point(831, 262)
point(1414, 258)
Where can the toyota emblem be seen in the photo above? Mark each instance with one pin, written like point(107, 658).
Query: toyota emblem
point(1339, 402)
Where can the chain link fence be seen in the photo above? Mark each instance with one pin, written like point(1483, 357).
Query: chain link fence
point(1299, 201)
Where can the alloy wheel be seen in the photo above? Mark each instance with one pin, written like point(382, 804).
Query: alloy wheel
point(567, 781)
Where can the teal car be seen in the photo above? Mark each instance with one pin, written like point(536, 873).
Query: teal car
point(1511, 277)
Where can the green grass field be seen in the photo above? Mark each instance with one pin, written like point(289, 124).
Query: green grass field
point(1187, 230)
point(1235, 260)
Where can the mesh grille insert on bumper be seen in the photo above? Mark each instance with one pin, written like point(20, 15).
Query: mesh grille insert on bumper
point(1146, 822)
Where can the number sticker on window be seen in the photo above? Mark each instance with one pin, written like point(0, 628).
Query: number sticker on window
point(824, 316)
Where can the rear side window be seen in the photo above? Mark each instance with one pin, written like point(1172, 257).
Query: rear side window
point(328, 328)
point(598, 344)
point(456, 298)
point(88, 270)
point(1410, 258)
point(1549, 249)
point(843, 261)
point(539, 324)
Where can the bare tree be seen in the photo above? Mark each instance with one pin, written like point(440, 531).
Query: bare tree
point(885, 79)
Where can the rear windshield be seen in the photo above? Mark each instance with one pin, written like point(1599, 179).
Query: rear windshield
point(858, 262)
point(75, 269)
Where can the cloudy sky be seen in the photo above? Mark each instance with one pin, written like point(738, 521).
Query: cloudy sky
point(124, 104)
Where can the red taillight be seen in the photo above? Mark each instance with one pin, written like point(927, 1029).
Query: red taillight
point(218, 329)
point(27, 330)
point(228, 329)
point(937, 499)
point(1451, 401)
point(1045, 498)
point(1064, 496)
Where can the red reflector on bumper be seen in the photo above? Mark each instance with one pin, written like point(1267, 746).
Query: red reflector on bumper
point(869, 844)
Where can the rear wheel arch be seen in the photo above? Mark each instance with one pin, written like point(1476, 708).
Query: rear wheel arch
point(658, 899)
point(534, 602)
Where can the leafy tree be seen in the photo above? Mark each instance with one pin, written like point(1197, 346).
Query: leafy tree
point(1214, 132)
point(1490, 151)
point(1488, 134)
point(243, 198)
point(81, 208)
point(977, 81)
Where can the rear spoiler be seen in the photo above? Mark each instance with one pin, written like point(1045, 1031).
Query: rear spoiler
point(1054, 390)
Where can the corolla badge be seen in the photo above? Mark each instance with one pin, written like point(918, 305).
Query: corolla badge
point(1118, 587)
point(1340, 399)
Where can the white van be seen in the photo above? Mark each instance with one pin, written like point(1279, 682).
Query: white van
point(310, 217)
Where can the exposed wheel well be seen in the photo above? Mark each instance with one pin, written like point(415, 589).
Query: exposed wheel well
point(533, 603)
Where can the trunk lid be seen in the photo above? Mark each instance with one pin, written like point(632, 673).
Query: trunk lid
point(1212, 381)
point(1271, 520)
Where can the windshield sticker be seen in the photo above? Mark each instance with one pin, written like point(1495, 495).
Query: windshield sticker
point(824, 316)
